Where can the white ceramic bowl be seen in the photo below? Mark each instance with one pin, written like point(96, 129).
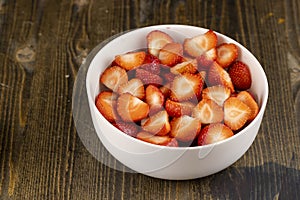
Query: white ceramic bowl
point(170, 162)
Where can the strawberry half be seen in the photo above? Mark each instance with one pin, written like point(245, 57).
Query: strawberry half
point(236, 113)
point(177, 109)
point(185, 67)
point(170, 54)
point(199, 44)
point(185, 128)
point(206, 59)
point(148, 77)
point(219, 76)
point(135, 87)
point(113, 76)
point(130, 60)
point(226, 54)
point(151, 59)
point(157, 124)
point(248, 99)
point(131, 108)
point(156, 40)
point(127, 127)
point(240, 75)
point(186, 87)
point(216, 93)
point(106, 104)
point(214, 133)
point(154, 98)
point(207, 111)
point(158, 140)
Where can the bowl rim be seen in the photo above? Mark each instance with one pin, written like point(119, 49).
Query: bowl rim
point(262, 106)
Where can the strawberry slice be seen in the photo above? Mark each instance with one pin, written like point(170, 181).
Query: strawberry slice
point(185, 128)
point(240, 75)
point(113, 76)
point(131, 108)
point(130, 60)
point(135, 87)
point(157, 124)
point(166, 90)
point(219, 76)
point(236, 113)
point(199, 44)
point(158, 140)
point(206, 59)
point(154, 98)
point(248, 99)
point(170, 54)
point(157, 40)
point(186, 87)
point(106, 104)
point(207, 111)
point(226, 54)
point(213, 133)
point(151, 59)
point(148, 77)
point(127, 127)
point(216, 93)
point(185, 67)
point(177, 109)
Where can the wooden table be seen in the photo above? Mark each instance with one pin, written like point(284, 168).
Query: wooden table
point(42, 46)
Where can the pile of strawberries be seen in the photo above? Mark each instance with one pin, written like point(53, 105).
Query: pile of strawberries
point(175, 94)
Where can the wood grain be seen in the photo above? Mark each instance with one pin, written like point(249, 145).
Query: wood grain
point(42, 45)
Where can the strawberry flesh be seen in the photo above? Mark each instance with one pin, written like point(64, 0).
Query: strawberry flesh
point(213, 133)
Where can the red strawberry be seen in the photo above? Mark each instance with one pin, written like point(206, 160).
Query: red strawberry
point(130, 60)
point(106, 104)
point(185, 67)
point(219, 76)
point(207, 111)
point(206, 59)
point(248, 99)
point(168, 77)
point(127, 127)
point(213, 133)
point(186, 86)
point(148, 77)
point(159, 140)
point(240, 75)
point(135, 87)
point(131, 108)
point(236, 113)
point(154, 98)
point(226, 54)
point(157, 124)
point(166, 90)
point(151, 59)
point(156, 40)
point(151, 67)
point(170, 54)
point(185, 128)
point(199, 44)
point(216, 93)
point(112, 77)
point(177, 109)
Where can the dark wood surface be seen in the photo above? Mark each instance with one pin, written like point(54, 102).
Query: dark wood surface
point(42, 46)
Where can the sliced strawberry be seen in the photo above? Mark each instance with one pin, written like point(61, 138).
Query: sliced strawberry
point(154, 98)
point(177, 109)
point(248, 99)
point(185, 128)
point(156, 40)
point(226, 54)
point(236, 113)
point(219, 76)
point(134, 86)
point(157, 124)
point(158, 140)
point(185, 67)
point(213, 133)
point(131, 108)
point(106, 104)
point(207, 111)
point(127, 127)
point(113, 76)
point(170, 54)
point(186, 86)
point(206, 59)
point(166, 90)
point(148, 77)
point(130, 60)
point(216, 93)
point(240, 75)
point(199, 44)
point(151, 59)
